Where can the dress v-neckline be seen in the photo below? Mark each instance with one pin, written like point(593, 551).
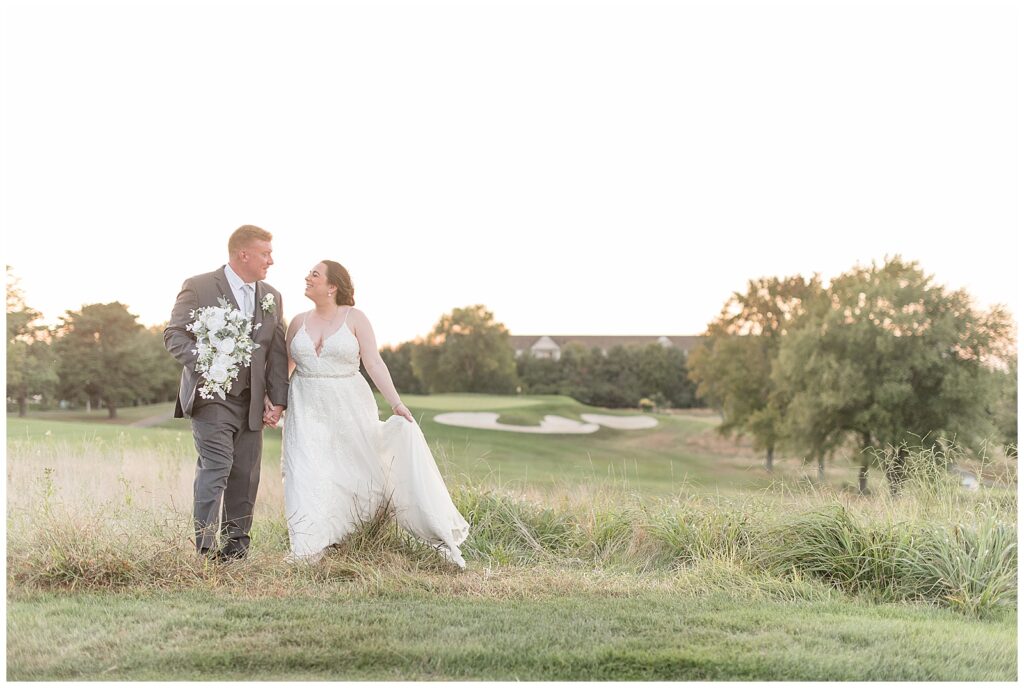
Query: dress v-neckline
point(323, 340)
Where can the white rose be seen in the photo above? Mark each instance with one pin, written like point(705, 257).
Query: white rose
point(215, 321)
point(223, 360)
point(226, 346)
point(218, 373)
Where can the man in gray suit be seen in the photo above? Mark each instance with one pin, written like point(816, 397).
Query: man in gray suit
point(229, 432)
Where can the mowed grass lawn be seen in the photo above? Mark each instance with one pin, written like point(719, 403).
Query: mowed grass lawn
point(341, 634)
point(680, 454)
point(397, 615)
point(125, 415)
point(658, 460)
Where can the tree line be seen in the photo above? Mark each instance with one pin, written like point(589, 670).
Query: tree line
point(880, 360)
point(101, 355)
point(469, 351)
point(97, 356)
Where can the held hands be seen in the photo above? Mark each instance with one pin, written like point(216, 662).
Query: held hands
point(400, 409)
point(271, 413)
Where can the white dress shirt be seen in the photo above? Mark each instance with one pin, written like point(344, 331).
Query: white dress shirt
point(236, 283)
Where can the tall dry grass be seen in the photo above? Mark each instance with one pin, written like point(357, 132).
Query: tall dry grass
point(117, 517)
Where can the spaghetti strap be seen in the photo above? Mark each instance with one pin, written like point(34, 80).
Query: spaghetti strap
point(288, 342)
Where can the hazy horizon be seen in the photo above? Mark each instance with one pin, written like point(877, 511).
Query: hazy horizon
point(51, 319)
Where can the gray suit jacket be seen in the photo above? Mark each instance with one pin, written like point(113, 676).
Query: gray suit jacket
point(269, 369)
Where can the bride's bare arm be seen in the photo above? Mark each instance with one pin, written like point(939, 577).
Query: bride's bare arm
point(293, 328)
point(374, 364)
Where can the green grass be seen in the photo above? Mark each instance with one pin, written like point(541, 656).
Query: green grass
point(125, 415)
point(681, 454)
point(414, 634)
point(75, 438)
point(46, 431)
point(657, 461)
point(469, 402)
point(580, 567)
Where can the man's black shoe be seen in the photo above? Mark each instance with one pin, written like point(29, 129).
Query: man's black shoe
point(233, 554)
point(212, 555)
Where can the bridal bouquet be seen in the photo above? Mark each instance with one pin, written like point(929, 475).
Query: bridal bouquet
point(224, 345)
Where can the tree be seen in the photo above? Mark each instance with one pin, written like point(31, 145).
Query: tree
point(615, 382)
point(539, 375)
point(578, 369)
point(732, 365)
point(31, 369)
point(99, 356)
point(618, 379)
point(893, 359)
point(1004, 411)
point(161, 374)
point(663, 375)
point(467, 351)
point(399, 362)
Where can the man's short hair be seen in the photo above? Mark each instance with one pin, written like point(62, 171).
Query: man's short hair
point(245, 235)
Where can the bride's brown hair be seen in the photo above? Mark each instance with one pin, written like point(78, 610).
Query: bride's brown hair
point(339, 277)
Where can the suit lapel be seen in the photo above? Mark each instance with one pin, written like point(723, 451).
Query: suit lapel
point(225, 289)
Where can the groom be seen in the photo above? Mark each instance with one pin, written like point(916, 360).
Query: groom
point(229, 432)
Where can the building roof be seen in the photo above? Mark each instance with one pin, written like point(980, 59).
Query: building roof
point(545, 342)
point(604, 342)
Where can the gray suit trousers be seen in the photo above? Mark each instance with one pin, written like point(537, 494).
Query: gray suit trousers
point(227, 472)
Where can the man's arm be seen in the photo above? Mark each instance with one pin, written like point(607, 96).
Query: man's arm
point(177, 340)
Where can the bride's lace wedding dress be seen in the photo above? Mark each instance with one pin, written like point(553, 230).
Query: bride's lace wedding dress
point(341, 463)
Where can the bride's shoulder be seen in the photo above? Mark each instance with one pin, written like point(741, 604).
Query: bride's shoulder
point(357, 319)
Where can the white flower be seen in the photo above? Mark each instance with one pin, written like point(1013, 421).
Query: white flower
point(215, 320)
point(223, 345)
point(267, 304)
point(218, 373)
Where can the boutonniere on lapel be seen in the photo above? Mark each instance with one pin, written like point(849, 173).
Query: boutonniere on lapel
point(268, 304)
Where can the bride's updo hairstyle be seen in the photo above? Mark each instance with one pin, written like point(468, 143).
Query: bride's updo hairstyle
point(339, 277)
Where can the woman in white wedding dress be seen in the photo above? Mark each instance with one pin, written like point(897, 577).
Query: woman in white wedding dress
point(341, 464)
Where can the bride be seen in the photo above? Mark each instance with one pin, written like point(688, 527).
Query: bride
point(341, 464)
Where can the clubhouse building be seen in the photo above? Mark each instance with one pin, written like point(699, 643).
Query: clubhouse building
point(550, 346)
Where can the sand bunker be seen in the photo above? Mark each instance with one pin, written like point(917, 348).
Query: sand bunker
point(551, 425)
point(621, 422)
point(489, 421)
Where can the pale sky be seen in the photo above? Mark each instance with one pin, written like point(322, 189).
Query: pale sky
point(577, 167)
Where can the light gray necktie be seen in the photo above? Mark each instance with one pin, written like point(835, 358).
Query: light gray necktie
point(247, 293)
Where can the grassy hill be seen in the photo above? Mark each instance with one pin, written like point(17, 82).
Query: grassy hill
point(682, 453)
point(623, 555)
